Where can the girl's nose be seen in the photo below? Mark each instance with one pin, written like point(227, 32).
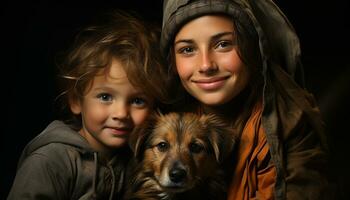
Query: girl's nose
point(207, 64)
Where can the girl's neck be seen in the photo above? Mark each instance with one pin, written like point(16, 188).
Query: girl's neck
point(231, 110)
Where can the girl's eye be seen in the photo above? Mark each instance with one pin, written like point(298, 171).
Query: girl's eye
point(139, 102)
point(105, 97)
point(186, 50)
point(223, 45)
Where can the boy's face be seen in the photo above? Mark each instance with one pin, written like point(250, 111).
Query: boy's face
point(111, 108)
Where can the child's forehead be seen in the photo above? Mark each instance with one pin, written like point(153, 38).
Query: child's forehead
point(115, 70)
point(114, 76)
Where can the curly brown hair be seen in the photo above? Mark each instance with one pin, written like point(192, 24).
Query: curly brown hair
point(117, 35)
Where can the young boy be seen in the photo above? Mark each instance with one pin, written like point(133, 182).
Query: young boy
point(112, 82)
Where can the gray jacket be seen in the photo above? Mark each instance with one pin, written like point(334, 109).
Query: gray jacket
point(59, 164)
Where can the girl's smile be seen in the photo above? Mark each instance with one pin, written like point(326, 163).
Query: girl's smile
point(213, 83)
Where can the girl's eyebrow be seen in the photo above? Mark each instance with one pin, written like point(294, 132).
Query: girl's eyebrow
point(183, 41)
point(219, 35)
point(214, 37)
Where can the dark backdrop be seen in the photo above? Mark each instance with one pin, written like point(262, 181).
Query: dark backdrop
point(33, 33)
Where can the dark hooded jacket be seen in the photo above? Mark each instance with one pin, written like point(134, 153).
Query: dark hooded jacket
point(60, 164)
point(291, 119)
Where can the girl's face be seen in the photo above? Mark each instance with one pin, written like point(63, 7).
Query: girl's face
point(207, 61)
point(111, 108)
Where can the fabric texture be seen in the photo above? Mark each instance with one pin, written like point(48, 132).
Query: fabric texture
point(290, 120)
point(254, 175)
point(59, 164)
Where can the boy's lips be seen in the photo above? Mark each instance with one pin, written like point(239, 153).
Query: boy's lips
point(119, 130)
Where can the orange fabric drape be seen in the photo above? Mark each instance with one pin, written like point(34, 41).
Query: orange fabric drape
point(254, 175)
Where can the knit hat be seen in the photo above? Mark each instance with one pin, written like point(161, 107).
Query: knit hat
point(178, 12)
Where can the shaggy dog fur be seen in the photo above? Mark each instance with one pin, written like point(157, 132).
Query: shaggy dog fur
point(179, 156)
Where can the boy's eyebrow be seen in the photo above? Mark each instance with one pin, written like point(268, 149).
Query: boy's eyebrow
point(111, 89)
point(102, 88)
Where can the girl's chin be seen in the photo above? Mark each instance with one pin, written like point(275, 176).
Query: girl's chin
point(212, 102)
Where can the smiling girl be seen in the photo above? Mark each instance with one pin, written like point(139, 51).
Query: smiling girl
point(240, 59)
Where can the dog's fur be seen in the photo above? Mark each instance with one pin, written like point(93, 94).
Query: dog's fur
point(179, 156)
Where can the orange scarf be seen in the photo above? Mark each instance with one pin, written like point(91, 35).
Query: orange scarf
point(254, 175)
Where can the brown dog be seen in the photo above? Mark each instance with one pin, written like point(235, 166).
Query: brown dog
point(179, 156)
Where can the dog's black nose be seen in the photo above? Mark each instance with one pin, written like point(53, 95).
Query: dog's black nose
point(177, 175)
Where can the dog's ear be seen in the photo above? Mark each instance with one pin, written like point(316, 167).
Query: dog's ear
point(221, 137)
point(139, 135)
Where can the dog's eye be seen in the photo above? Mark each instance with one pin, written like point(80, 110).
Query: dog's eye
point(196, 148)
point(162, 146)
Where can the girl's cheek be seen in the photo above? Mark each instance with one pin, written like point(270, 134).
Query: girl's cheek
point(184, 68)
point(231, 62)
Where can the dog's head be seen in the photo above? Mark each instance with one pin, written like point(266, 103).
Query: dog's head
point(181, 149)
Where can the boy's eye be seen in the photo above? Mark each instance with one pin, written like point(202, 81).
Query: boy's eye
point(105, 97)
point(139, 102)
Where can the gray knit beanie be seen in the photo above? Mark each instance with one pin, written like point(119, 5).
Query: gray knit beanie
point(178, 12)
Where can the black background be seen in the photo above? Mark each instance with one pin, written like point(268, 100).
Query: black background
point(34, 32)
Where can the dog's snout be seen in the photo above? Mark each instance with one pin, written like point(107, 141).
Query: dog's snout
point(177, 175)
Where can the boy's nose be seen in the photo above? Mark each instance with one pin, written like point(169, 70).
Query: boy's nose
point(120, 111)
